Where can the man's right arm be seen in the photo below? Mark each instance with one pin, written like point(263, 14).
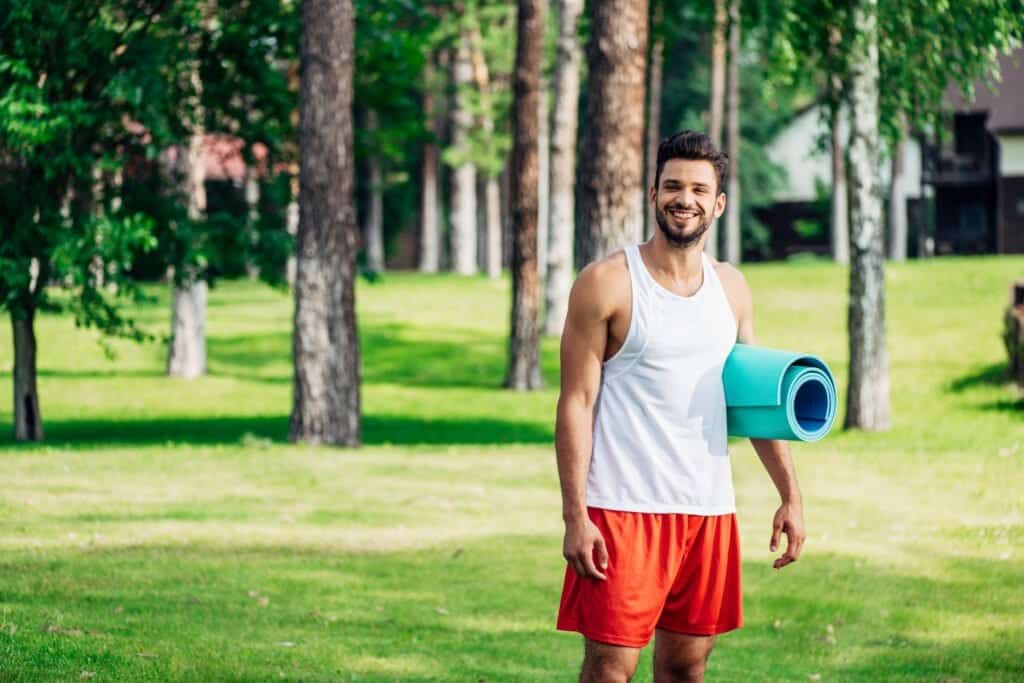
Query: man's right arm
point(584, 338)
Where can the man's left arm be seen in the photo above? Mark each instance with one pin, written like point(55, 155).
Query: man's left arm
point(774, 454)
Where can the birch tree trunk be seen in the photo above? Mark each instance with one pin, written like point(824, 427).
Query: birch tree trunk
point(840, 229)
point(716, 109)
point(562, 221)
point(653, 112)
point(898, 204)
point(252, 216)
point(326, 407)
point(524, 340)
point(375, 215)
point(491, 233)
point(463, 211)
point(292, 227)
point(28, 421)
point(732, 206)
point(868, 387)
point(430, 201)
point(611, 196)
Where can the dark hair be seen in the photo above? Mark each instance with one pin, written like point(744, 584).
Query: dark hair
point(691, 144)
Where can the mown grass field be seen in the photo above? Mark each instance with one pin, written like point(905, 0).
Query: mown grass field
point(166, 530)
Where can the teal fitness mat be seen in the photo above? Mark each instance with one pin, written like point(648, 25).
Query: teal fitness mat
point(774, 394)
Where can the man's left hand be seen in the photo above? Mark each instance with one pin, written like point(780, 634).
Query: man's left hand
point(789, 520)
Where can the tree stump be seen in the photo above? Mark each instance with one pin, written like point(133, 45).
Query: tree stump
point(1013, 335)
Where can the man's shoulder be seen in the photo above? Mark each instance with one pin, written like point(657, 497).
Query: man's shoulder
point(731, 277)
point(603, 284)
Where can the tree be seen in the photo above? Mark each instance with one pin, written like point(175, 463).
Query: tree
point(326, 406)
point(611, 193)
point(654, 78)
point(716, 107)
point(524, 339)
point(374, 231)
point(492, 193)
point(564, 115)
point(430, 200)
point(732, 207)
point(897, 233)
point(463, 192)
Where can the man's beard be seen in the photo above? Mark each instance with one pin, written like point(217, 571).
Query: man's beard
point(675, 235)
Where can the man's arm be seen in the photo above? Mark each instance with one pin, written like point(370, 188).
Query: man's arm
point(775, 456)
point(584, 339)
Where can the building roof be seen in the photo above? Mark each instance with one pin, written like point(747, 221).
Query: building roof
point(1004, 103)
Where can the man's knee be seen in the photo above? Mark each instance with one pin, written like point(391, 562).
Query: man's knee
point(681, 671)
point(608, 664)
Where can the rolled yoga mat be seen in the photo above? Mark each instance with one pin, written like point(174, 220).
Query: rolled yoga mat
point(774, 394)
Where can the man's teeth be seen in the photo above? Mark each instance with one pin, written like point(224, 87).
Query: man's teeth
point(683, 214)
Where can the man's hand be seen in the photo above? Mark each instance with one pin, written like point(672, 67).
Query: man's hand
point(581, 539)
point(789, 520)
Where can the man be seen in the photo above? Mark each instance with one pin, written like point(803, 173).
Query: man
point(650, 526)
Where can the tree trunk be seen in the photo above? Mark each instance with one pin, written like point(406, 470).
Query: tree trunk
point(524, 340)
point(490, 247)
point(187, 358)
point(252, 217)
point(611, 193)
point(326, 406)
point(292, 226)
point(653, 111)
point(375, 216)
point(564, 115)
point(868, 387)
point(543, 178)
point(716, 107)
point(28, 421)
point(898, 203)
point(430, 201)
point(840, 229)
point(463, 231)
point(732, 207)
point(492, 199)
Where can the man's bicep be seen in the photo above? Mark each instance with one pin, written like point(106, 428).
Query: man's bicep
point(584, 339)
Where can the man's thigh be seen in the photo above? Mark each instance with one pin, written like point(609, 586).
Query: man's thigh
point(604, 662)
point(680, 656)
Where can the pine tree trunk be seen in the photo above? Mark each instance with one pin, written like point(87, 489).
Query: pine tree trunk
point(716, 108)
point(292, 226)
point(492, 199)
point(430, 201)
point(868, 388)
point(732, 208)
point(490, 226)
point(375, 216)
point(252, 217)
point(840, 229)
point(562, 221)
point(543, 178)
point(463, 213)
point(611, 196)
point(898, 204)
point(28, 421)
point(326, 406)
point(653, 112)
point(524, 340)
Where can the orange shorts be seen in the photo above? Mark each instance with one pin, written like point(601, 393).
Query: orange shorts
point(672, 571)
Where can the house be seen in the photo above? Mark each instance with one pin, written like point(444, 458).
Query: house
point(964, 189)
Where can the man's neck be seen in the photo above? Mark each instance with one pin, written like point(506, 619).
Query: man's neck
point(681, 265)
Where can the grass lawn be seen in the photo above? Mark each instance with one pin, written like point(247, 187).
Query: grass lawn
point(166, 530)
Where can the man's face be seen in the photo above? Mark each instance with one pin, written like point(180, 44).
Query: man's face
point(686, 200)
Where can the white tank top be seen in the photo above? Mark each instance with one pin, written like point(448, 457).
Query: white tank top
point(660, 441)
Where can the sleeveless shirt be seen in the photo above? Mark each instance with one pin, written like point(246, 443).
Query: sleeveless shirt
point(660, 441)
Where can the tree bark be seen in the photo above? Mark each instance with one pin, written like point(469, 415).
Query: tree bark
point(653, 111)
point(868, 387)
point(292, 226)
point(28, 421)
point(524, 340)
point(611, 196)
point(716, 108)
point(898, 203)
point(543, 177)
point(188, 331)
point(732, 208)
point(463, 231)
point(252, 216)
point(430, 201)
point(326, 406)
point(564, 115)
point(491, 233)
point(840, 226)
point(375, 216)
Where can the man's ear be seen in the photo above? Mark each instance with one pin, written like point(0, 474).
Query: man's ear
point(720, 204)
point(652, 193)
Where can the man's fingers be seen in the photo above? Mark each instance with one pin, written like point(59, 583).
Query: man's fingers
point(590, 567)
point(602, 553)
point(776, 530)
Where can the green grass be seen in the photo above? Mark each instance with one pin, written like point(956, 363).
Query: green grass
point(167, 531)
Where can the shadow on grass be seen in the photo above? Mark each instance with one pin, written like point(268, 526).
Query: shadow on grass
point(476, 610)
point(377, 430)
point(995, 374)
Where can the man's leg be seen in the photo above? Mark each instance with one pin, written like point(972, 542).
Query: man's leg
point(680, 658)
point(604, 663)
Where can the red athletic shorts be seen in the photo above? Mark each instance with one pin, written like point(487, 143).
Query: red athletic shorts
point(672, 571)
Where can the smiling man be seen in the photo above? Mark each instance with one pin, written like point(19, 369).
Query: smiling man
point(650, 516)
